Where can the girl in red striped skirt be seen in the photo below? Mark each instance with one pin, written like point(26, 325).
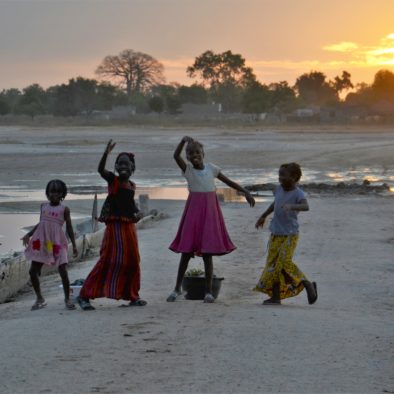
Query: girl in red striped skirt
point(117, 273)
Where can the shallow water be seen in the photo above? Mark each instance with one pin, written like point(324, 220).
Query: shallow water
point(169, 186)
point(11, 230)
point(12, 224)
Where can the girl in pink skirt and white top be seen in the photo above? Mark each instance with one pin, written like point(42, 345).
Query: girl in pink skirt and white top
point(202, 231)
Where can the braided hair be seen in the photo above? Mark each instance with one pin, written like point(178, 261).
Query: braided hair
point(193, 144)
point(60, 184)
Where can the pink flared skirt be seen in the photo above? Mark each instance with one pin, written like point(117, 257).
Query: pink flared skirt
point(202, 229)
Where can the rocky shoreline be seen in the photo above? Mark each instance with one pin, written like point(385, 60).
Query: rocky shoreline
point(329, 188)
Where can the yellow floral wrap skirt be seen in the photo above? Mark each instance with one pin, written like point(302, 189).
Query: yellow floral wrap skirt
point(280, 268)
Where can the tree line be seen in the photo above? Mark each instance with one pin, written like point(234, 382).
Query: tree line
point(136, 78)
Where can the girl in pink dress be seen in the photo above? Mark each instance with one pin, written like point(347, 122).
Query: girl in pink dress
point(202, 231)
point(47, 244)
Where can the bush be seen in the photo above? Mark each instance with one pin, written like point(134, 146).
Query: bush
point(156, 104)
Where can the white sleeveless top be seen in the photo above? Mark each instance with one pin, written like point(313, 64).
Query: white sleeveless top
point(201, 180)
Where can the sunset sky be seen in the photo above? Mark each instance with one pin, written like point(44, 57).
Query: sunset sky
point(48, 42)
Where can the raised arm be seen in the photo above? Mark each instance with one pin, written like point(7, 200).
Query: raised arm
point(70, 230)
point(101, 167)
point(261, 219)
point(234, 185)
point(177, 154)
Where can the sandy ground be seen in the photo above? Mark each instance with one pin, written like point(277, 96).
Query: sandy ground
point(343, 343)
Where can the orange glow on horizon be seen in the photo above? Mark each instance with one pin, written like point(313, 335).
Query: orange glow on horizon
point(379, 55)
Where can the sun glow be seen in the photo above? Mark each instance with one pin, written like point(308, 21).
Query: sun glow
point(384, 54)
point(367, 56)
point(341, 47)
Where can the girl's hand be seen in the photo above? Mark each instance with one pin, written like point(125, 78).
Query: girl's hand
point(260, 222)
point(138, 216)
point(187, 139)
point(75, 251)
point(26, 240)
point(287, 207)
point(249, 199)
point(110, 147)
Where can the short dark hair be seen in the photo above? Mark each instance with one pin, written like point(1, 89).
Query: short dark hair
point(294, 169)
point(58, 183)
point(194, 143)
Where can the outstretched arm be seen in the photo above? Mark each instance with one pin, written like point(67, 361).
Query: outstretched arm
point(234, 185)
point(101, 167)
point(177, 154)
point(26, 238)
point(70, 230)
point(261, 219)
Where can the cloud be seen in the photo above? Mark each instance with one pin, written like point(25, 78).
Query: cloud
point(266, 70)
point(180, 63)
point(344, 46)
point(350, 54)
point(381, 54)
point(287, 64)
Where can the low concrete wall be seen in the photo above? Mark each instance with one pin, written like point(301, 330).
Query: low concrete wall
point(13, 274)
point(14, 271)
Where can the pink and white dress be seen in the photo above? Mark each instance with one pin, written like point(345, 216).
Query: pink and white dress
point(202, 229)
point(48, 244)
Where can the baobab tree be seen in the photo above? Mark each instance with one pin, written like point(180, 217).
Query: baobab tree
point(135, 71)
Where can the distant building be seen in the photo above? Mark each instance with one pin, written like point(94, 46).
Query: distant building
point(122, 112)
point(383, 107)
point(201, 110)
point(304, 112)
point(302, 115)
point(332, 114)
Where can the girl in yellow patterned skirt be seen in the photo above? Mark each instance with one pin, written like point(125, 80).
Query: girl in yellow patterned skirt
point(281, 278)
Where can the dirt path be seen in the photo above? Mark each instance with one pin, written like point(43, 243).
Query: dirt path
point(344, 343)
